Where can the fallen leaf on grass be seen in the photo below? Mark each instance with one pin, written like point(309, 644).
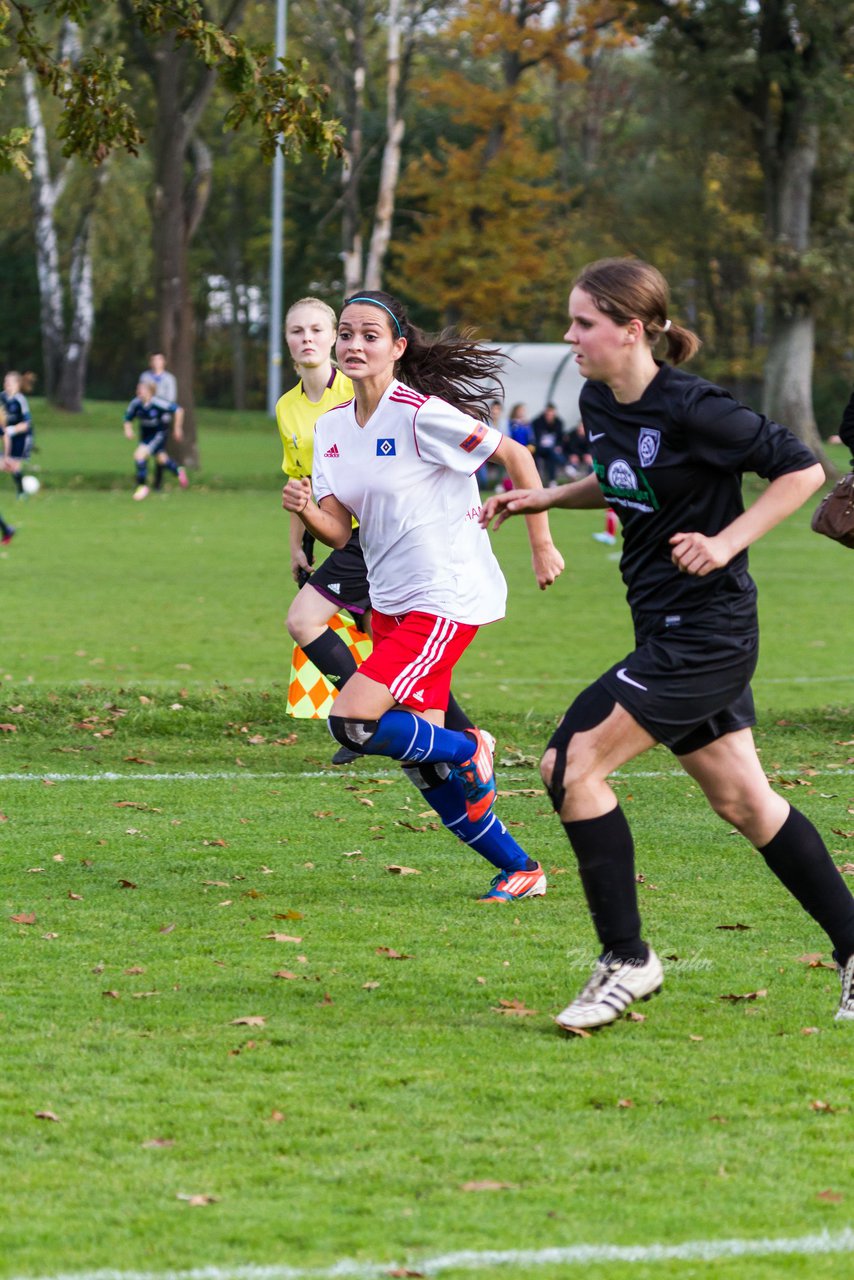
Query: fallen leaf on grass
point(251, 1021)
point(576, 1031)
point(625, 1103)
point(47, 1115)
point(287, 975)
point(281, 937)
point(354, 853)
point(634, 1016)
point(135, 969)
point(404, 1271)
point(831, 1197)
point(75, 897)
point(127, 884)
point(696, 1039)
point(196, 1201)
point(23, 917)
point(809, 1031)
point(143, 995)
point(514, 1008)
point(735, 927)
point(158, 1142)
point(167, 928)
point(8, 728)
point(748, 995)
point(813, 959)
point(402, 871)
point(487, 1184)
point(218, 843)
point(112, 995)
point(327, 999)
point(137, 760)
point(277, 1116)
point(288, 915)
point(370, 986)
point(391, 954)
point(818, 1105)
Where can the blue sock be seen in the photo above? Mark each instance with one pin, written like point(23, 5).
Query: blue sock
point(489, 837)
point(171, 466)
point(405, 736)
point(142, 472)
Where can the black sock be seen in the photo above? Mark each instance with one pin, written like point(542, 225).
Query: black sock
point(19, 481)
point(332, 656)
point(799, 859)
point(606, 863)
point(455, 717)
point(5, 528)
point(158, 476)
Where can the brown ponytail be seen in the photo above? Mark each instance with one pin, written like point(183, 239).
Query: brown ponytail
point(628, 289)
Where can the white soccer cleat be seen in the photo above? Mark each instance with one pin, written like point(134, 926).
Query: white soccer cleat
point(612, 987)
point(845, 1012)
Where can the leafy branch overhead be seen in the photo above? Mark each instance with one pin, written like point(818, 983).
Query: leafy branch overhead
point(98, 116)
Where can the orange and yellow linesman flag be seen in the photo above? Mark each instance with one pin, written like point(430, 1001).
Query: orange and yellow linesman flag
point(310, 695)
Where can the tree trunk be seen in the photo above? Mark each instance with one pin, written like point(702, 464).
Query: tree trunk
point(177, 212)
point(390, 171)
point(352, 247)
point(790, 164)
point(72, 381)
point(44, 196)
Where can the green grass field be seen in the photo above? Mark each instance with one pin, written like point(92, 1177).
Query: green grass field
point(209, 1055)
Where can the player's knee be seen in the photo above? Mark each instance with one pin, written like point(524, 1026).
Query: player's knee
point(426, 777)
point(354, 734)
point(565, 765)
point(140, 453)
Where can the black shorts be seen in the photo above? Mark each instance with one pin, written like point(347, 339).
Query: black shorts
point(21, 445)
point(343, 578)
point(688, 685)
point(155, 441)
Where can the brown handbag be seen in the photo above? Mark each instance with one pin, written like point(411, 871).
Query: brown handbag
point(834, 515)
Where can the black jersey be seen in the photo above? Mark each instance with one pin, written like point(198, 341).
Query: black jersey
point(670, 463)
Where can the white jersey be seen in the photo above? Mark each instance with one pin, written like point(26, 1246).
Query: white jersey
point(408, 477)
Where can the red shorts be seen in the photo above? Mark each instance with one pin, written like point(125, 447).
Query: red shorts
point(414, 656)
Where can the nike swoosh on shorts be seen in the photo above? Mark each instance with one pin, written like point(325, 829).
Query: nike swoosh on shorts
point(626, 679)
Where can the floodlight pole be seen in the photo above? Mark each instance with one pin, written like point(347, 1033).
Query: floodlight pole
point(277, 219)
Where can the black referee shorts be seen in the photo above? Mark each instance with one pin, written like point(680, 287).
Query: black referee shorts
point(343, 578)
point(687, 685)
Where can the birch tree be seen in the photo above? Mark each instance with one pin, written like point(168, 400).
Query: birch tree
point(65, 347)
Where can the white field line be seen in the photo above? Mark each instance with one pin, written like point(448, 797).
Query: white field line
point(471, 1260)
point(248, 775)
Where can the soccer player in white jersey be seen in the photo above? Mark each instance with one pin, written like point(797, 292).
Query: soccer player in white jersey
point(401, 457)
point(341, 581)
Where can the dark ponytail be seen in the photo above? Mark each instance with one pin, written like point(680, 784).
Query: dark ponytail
point(450, 365)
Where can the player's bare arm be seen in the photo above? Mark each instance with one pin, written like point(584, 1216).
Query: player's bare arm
point(583, 495)
point(178, 424)
point(546, 560)
point(700, 554)
point(329, 522)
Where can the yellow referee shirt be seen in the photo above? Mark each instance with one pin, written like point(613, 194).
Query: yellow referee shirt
point(296, 416)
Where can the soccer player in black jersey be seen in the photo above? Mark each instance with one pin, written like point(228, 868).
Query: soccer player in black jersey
point(669, 450)
point(155, 416)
